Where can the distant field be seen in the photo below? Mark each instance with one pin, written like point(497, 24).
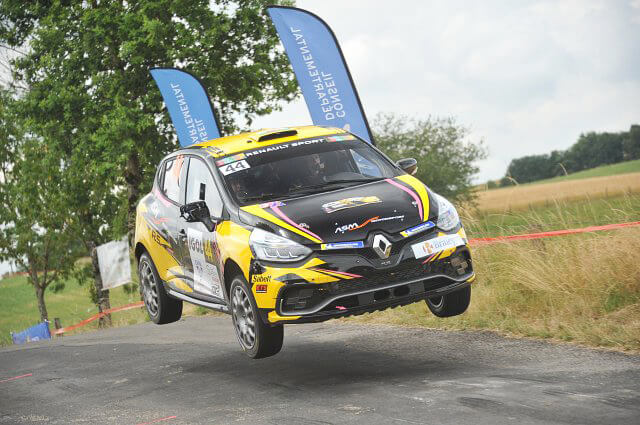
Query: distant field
point(524, 196)
point(602, 171)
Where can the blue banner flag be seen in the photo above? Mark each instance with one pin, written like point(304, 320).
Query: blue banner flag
point(34, 333)
point(321, 70)
point(189, 106)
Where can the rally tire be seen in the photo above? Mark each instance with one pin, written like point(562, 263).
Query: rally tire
point(161, 307)
point(257, 339)
point(451, 304)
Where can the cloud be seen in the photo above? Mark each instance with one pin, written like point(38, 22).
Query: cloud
point(527, 77)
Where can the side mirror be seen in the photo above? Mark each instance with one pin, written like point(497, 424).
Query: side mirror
point(198, 211)
point(409, 165)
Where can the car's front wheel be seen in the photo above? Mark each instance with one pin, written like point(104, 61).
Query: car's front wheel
point(160, 306)
point(256, 339)
point(451, 304)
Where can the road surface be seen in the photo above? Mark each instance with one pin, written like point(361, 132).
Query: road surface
point(192, 372)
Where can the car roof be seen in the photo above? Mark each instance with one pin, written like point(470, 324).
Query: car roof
point(248, 141)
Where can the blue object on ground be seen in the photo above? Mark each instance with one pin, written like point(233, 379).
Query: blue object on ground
point(34, 333)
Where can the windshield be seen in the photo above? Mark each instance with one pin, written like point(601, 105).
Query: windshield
point(301, 168)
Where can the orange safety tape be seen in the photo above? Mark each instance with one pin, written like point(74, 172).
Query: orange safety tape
point(486, 241)
point(97, 316)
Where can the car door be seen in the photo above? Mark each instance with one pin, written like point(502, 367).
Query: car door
point(202, 261)
point(165, 209)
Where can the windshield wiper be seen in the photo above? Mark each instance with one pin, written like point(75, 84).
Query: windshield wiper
point(313, 188)
point(262, 197)
point(375, 179)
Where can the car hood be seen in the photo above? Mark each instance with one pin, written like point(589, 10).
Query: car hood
point(351, 214)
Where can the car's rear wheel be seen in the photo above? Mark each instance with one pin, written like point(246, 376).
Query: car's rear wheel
point(257, 339)
point(160, 306)
point(451, 304)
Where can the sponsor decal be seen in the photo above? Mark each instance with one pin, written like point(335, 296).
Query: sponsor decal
point(340, 138)
point(304, 225)
point(234, 167)
point(342, 204)
point(261, 289)
point(157, 238)
point(435, 245)
point(346, 227)
point(342, 245)
point(285, 146)
point(261, 278)
point(354, 226)
point(205, 275)
point(417, 229)
point(230, 159)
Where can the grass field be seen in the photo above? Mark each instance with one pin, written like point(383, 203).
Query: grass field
point(524, 196)
point(602, 171)
point(19, 307)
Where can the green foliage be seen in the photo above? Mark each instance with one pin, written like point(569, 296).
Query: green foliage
point(34, 230)
point(93, 107)
point(535, 167)
point(591, 150)
point(631, 143)
point(93, 102)
point(447, 161)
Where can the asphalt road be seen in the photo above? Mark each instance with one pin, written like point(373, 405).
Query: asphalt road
point(192, 372)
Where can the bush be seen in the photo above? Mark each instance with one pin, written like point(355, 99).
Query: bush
point(447, 161)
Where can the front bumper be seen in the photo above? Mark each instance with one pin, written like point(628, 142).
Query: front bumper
point(409, 282)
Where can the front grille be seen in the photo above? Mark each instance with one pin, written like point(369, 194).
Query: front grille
point(310, 297)
point(397, 274)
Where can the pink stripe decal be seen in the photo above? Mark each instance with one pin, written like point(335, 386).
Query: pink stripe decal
point(410, 192)
point(288, 220)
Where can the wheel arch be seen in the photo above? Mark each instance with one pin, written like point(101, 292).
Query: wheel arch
point(231, 269)
point(139, 250)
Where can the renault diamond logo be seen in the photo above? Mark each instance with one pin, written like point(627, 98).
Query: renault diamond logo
point(381, 246)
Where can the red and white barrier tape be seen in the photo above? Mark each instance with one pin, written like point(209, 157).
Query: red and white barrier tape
point(97, 316)
point(486, 241)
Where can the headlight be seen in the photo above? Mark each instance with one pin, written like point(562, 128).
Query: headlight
point(271, 247)
point(447, 215)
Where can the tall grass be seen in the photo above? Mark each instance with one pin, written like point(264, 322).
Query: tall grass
point(583, 288)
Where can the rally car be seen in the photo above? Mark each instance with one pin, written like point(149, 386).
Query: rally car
point(295, 225)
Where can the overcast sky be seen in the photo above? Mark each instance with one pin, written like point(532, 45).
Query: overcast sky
point(527, 77)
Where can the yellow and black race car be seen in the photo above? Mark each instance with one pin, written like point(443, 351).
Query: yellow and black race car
point(295, 225)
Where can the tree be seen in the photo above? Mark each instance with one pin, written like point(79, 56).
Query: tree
point(593, 149)
point(447, 161)
point(33, 233)
point(536, 167)
point(90, 95)
point(631, 143)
